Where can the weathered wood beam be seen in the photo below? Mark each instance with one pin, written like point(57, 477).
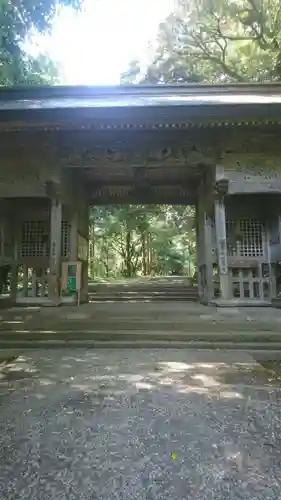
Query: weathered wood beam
point(134, 194)
point(144, 200)
point(173, 184)
point(83, 149)
point(190, 187)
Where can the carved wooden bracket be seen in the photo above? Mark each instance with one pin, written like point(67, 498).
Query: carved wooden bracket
point(220, 188)
point(53, 189)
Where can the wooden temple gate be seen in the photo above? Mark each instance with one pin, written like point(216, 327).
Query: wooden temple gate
point(63, 149)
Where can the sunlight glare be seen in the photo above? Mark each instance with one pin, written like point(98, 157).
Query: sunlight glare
point(96, 45)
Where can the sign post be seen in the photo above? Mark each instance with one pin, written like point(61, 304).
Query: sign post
point(72, 278)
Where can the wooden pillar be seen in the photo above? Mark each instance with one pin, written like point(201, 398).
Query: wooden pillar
point(198, 252)
point(2, 237)
point(85, 232)
point(55, 250)
point(25, 280)
point(14, 282)
point(271, 265)
point(208, 247)
point(84, 291)
point(41, 283)
point(73, 237)
point(14, 266)
point(220, 222)
point(34, 283)
point(204, 251)
point(92, 244)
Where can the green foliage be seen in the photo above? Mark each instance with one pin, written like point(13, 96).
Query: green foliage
point(131, 240)
point(174, 241)
point(216, 41)
point(17, 19)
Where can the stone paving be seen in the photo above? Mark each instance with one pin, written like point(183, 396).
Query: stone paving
point(107, 313)
point(138, 424)
point(141, 325)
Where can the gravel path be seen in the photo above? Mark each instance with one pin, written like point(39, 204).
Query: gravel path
point(138, 425)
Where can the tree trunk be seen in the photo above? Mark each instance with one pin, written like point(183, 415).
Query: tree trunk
point(144, 253)
point(149, 252)
point(128, 259)
point(107, 262)
point(189, 260)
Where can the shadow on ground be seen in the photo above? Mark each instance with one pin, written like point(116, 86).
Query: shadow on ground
point(138, 424)
point(211, 378)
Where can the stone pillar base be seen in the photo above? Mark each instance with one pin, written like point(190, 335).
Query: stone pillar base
point(53, 290)
point(204, 301)
point(239, 303)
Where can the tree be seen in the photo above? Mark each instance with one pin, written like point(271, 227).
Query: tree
point(120, 238)
point(17, 19)
point(131, 240)
point(216, 41)
point(174, 240)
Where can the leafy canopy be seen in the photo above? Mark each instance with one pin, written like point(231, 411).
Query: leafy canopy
point(216, 41)
point(17, 19)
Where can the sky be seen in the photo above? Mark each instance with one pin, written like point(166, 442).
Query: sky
point(95, 46)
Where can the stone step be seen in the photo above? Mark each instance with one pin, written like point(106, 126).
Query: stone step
point(264, 350)
point(140, 288)
point(53, 327)
point(139, 298)
point(152, 293)
point(135, 336)
point(146, 327)
point(127, 293)
point(136, 283)
point(172, 291)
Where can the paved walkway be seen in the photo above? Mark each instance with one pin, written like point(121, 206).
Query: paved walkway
point(78, 425)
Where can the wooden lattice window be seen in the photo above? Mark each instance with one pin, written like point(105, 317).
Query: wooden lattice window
point(245, 238)
point(34, 239)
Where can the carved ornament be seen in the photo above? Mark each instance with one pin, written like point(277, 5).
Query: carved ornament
point(115, 156)
point(220, 188)
point(53, 189)
point(187, 154)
